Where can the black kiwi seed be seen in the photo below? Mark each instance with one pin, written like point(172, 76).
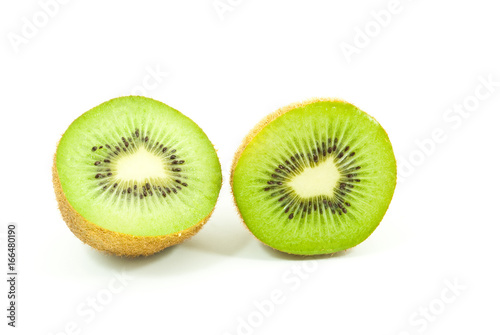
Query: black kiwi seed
point(97, 163)
point(94, 148)
point(297, 161)
point(129, 190)
point(106, 161)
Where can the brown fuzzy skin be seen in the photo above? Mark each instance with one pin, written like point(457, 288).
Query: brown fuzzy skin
point(113, 242)
point(264, 122)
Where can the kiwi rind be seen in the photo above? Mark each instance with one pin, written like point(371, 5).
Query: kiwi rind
point(119, 244)
point(248, 139)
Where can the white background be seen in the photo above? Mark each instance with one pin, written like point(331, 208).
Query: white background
point(226, 72)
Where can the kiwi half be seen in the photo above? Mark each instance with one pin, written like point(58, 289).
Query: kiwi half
point(133, 176)
point(314, 178)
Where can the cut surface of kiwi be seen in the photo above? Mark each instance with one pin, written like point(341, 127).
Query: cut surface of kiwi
point(133, 176)
point(314, 178)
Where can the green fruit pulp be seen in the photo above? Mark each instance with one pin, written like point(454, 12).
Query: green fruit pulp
point(115, 171)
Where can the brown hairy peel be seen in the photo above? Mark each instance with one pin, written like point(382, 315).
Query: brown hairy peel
point(113, 242)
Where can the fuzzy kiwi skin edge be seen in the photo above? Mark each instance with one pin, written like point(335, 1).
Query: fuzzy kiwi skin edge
point(264, 122)
point(113, 242)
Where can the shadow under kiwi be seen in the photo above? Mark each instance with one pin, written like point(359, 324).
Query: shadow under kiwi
point(223, 235)
point(130, 263)
point(291, 257)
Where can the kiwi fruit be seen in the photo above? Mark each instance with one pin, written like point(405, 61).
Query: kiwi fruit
point(133, 176)
point(314, 178)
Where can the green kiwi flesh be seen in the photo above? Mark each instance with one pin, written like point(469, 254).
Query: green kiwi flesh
point(314, 178)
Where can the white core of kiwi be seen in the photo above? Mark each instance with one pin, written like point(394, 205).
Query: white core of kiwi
point(316, 181)
point(140, 166)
